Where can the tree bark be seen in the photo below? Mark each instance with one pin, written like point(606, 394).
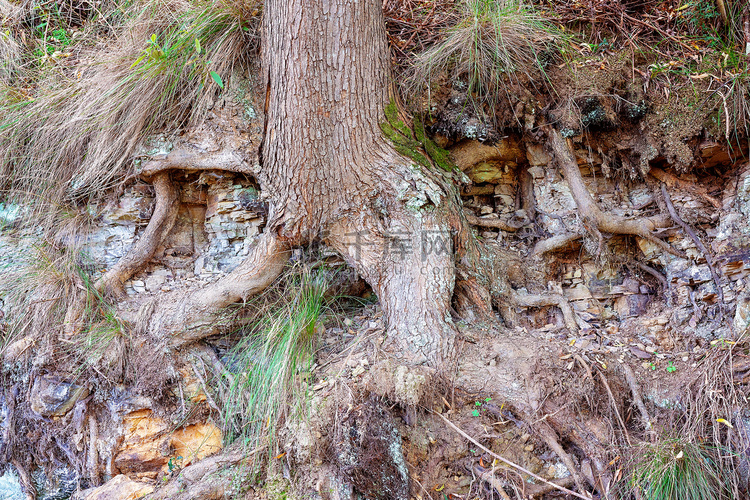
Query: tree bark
point(331, 174)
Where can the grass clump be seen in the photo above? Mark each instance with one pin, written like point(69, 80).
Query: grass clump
point(676, 469)
point(493, 44)
point(51, 301)
point(74, 133)
point(265, 382)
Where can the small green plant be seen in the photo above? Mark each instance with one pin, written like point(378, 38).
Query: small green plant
point(175, 463)
point(478, 404)
point(676, 469)
point(413, 143)
point(671, 368)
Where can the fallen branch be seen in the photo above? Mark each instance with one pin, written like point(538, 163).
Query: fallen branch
point(162, 221)
point(508, 462)
point(698, 243)
point(593, 217)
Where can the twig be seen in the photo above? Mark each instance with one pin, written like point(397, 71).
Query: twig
point(698, 243)
point(508, 462)
point(633, 383)
point(614, 405)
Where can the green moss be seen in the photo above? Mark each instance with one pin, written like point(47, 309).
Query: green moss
point(413, 143)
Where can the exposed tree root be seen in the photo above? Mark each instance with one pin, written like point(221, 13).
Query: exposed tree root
point(25, 479)
point(512, 464)
point(673, 181)
point(547, 299)
point(93, 452)
point(466, 154)
point(478, 190)
point(614, 407)
point(637, 399)
point(554, 243)
point(537, 490)
point(184, 159)
point(593, 218)
point(184, 317)
point(510, 226)
point(189, 317)
point(549, 436)
point(698, 243)
point(162, 220)
point(488, 476)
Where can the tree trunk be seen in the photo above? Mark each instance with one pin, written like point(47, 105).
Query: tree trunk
point(331, 174)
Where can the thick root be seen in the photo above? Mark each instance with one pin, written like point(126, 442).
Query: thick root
point(412, 271)
point(593, 217)
point(554, 243)
point(539, 300)
point(182, 318)
point(185, 159)
point(162, 221)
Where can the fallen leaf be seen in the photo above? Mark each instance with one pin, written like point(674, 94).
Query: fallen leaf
point(725, 422)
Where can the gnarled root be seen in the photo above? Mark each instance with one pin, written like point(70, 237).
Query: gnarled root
point(593, 217)
point(519, 299)
point(182, 318)
point(557, 242)
point(162, 220)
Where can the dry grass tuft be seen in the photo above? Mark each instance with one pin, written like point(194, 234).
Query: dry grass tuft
point(493, 45)
point(76, 133)
point(50, 301)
